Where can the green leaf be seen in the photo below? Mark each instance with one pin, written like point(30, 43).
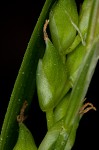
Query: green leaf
point(25, 83)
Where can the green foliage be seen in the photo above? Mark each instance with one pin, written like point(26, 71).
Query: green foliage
point(63, 75)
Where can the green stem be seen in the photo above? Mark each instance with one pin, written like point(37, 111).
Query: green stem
point(50, 118)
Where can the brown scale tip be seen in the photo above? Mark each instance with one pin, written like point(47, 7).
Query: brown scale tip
point(21, 117)
point(44, 30)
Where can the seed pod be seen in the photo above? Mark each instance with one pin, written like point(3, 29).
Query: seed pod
point(51, 77)
point(74, 60)
point(63, 19)
point(82, 24)
point(25, 139)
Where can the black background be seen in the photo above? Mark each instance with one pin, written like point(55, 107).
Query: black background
point(17, 21)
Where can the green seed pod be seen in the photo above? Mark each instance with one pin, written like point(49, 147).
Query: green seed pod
point(25, 139)
point(74, 60)
point(82, 24)
point(63, 19)
point(51, 78)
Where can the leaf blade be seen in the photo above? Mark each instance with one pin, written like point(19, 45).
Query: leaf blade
point(25, 83)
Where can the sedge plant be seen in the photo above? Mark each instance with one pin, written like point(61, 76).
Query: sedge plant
point(62, 66)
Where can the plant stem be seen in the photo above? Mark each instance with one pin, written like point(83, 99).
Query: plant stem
point(50, 118)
